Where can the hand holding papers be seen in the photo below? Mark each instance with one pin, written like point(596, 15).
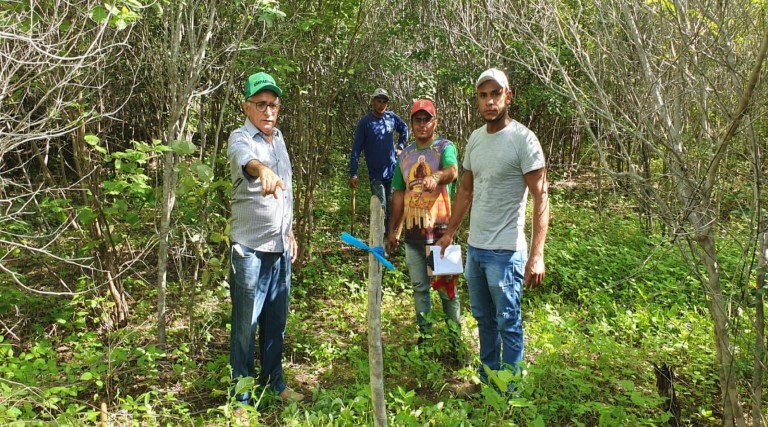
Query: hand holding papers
point(449, 264)
point(444, 270)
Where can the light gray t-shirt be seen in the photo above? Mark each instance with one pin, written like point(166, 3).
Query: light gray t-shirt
point(498, 162)
point(262, 223)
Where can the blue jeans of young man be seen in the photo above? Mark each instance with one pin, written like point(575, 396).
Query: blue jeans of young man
point(260, 286)
point(495, 280)
point(383, 191)
point(416, 259)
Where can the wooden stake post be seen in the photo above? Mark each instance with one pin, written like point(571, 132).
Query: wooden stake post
point(375, 353)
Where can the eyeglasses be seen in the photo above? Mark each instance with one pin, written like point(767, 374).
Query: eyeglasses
point(262, 106)
point(422, 120)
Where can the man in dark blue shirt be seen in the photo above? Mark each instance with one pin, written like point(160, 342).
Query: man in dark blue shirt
point(375, 137)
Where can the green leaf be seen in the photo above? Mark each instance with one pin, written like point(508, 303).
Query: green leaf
point(140, 189)
point(134, 4)
point(637, 398)
point(114, 187)
point(86, 216)
point(157, 8)
point(206, 277)
point(99, 15)
point(132, 218)
point(204, 172)
point(244, 384)
point(13, 413)
point(100, 149)
point(519, 402)
point(120, 24)
point(186, 184)
point(183, 147)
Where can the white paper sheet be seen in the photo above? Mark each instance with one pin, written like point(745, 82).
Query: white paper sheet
point(450, 263)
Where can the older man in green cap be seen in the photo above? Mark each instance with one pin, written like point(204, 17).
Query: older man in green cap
point(262, 242)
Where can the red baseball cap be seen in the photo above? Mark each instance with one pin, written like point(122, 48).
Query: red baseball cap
point(423, 104)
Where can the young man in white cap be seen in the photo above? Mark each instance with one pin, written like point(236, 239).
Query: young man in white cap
point(263, 245)
point(423, 178)
point(375, 138)
point(503, 162)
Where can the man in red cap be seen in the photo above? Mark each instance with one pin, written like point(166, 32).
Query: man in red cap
point(424, 173)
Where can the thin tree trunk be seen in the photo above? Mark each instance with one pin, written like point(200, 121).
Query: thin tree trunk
point(758, 365)
point(170, 176)
point(184, 65)
point(733, 414)
point(100, 231)
point(758, 368)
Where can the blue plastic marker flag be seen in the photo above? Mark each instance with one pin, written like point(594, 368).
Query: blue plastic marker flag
point(378, 251)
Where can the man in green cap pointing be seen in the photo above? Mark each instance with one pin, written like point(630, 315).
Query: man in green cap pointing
point(263, 245)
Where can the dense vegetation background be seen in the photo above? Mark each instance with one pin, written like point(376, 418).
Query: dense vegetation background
point(114, 206)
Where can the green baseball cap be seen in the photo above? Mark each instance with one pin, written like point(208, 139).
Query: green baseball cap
point(258, 82)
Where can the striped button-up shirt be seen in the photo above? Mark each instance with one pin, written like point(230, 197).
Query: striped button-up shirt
point(262, 223)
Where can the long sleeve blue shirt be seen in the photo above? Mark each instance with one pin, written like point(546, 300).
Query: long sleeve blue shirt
point(375, 137)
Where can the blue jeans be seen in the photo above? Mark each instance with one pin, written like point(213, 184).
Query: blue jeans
point(416, 259)
point(383, 191)
point(260, 286)
point(495, 279)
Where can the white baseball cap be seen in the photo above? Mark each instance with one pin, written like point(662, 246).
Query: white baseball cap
point(380, 93)
point(493, 74)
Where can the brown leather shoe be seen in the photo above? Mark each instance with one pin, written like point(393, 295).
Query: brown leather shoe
point(289, 395)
